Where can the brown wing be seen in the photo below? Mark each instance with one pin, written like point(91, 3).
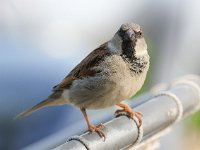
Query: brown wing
point(84, 68)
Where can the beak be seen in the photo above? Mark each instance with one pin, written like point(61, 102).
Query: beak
point(130, 34)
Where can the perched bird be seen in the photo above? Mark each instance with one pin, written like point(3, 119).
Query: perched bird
point(113, 72)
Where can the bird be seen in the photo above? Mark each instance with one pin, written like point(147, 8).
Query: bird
point(110, 74)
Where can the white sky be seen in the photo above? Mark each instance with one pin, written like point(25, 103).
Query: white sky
point(64, 28)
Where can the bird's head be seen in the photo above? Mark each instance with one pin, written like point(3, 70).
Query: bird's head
point(128, 41)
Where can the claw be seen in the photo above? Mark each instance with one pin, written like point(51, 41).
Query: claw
point(128, 110)
point(101, 126)
point(98, 130)
point(93, 128)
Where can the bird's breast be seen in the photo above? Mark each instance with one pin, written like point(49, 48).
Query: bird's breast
point(127, 83)
point(115, 83)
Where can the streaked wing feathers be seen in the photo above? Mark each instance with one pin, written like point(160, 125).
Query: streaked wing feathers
point(84, 68)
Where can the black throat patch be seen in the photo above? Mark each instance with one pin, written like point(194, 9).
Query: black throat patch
point(138, 64)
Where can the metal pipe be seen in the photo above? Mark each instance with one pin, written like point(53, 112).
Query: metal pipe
point(160, 111)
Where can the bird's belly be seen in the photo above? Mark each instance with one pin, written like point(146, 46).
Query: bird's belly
point(116, 84)
point(98, 92)
point(93, 92)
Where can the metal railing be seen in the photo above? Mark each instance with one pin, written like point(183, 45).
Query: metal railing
point(164, 107)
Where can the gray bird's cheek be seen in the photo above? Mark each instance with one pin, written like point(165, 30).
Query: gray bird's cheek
point(115, 45)
point(141, 47)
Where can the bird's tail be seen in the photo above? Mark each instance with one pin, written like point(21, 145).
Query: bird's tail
point(54, 99)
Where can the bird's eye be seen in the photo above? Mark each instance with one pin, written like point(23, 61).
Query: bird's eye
point(140, 33)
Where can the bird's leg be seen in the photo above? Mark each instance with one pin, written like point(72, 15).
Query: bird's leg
point(91, 127)
point(127, 109)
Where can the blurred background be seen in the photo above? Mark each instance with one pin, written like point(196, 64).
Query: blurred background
point(42, 40)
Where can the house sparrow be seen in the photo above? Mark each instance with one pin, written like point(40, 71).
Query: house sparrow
point(110, 74)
